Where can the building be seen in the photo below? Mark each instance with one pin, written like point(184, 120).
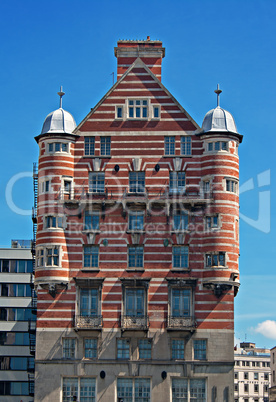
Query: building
point(272, 391)
point(17, 323)
point(252, 373)
point(137, 245)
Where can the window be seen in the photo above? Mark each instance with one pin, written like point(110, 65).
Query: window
point(137, 109)
point(20, 290)
point(144, 346)
point(136, 182)
point(180, 256)
point(90, 348)
point(52, 256)
point(89, 146)
point(14, 338)
point(188, 390)
point(236, 387)
point(133, 389)
point(123, 348)
point(246, 387)
point(215, 259)
point(180, 302)
point(169, 145)
point(217, 146)
point(136, 221)
point(177, 182)
point(90, 256)
point(96, 182)
point(177, 348)
point(180, 221)
point(266, 377)
point(45, 186)
point(256, 376)
point(40, 257)
point(89, 302)
point(206, 186)
point(186, 146)
point(53, 222)
point(105, 146)
point(14, 388)
point(135, 302)
point(91, 220)
point(248, 363)
point(245, 375)
point(119, 112)
point(211, 222)
point(57, 147)
point(231, 186)
point(256, 388)
point(67, 189)
point(79, 389)
point(156, 112)
point(4, 289)
point(136, 257)
point(68, 348)
point(200, 349)
point(236, 375)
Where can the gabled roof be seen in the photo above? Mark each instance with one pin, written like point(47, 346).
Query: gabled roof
point(138, 63)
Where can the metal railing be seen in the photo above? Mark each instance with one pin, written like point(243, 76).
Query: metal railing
point(135, 322)
point(88, 322)
point(181, 322)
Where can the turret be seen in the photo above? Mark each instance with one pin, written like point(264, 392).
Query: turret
point(55, 183)
point(220, 179)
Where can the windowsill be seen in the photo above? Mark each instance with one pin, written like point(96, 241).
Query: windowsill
point(142, 194)
point(54, 229)
point(91, 269)
point(142, 269)
point(216, 267)
point(95, 193)
point(97, 156)
point(137, 119)
point(58, 153)
point(181, 269)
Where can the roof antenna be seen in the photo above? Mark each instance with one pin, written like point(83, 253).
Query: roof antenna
point(60, 94)
point(218, 92)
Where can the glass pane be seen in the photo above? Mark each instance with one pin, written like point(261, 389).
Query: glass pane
point(124, 389)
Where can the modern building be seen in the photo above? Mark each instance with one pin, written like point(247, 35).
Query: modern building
point(137, 245)
point(272, 390)
point(252, 373)
point(17, 323)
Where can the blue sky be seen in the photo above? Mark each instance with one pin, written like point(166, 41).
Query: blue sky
point(48, 44)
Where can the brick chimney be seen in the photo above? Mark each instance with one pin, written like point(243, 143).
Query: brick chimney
point(150, 51)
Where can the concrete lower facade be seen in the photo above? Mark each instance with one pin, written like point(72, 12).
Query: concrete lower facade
point(163, 373)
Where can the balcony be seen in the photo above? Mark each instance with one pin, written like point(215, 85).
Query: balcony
point(32, 327)
point(88, 322)
point(135, 322)
point(32, 343)
point(31, 384)
point(181, 323)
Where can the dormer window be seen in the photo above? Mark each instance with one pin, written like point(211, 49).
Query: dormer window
point(137, 108)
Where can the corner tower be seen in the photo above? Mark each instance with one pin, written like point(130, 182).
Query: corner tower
point(55, 178)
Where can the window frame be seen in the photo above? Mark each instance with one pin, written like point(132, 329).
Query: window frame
point(52, 256)
point(69, 351)
point(136, 221)
point(76, 386)
point(183, 224)
point(184, 311)
point(200, 353)
point(58, 144)
point(177, 349)
point(182, 256)
point(89, 145)
point(176, 180)
point(123, 348)
point(231, 185)
point(169, 145)
point(105, 146)
point(50, 219)
point(135, 257)
point(185, 386)
point(96, 183)
point(147, 350)
point(212, 259)
point(210, 224)
point(131, 384)
point(93, 255)
point(137, 182)
point(135, 302)
point(186, 145)
point(133, 107)
point(117, 108)
point(93, 348)
point(91, 221)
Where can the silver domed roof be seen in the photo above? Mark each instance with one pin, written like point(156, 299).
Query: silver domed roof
point(219, 120)
point(60, 122)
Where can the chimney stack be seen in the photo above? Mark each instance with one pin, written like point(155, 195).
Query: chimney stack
point(150, 52)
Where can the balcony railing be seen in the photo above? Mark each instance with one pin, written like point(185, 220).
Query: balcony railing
point(32, 327)
point(88, 322)
point(181, 323)
point(31, 384)
point(135, 322)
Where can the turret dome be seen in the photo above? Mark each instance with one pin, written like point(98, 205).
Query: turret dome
point(59, 121)
point(219, 120)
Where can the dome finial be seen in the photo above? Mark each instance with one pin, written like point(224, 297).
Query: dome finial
point(218, 92)
point(60, 94)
